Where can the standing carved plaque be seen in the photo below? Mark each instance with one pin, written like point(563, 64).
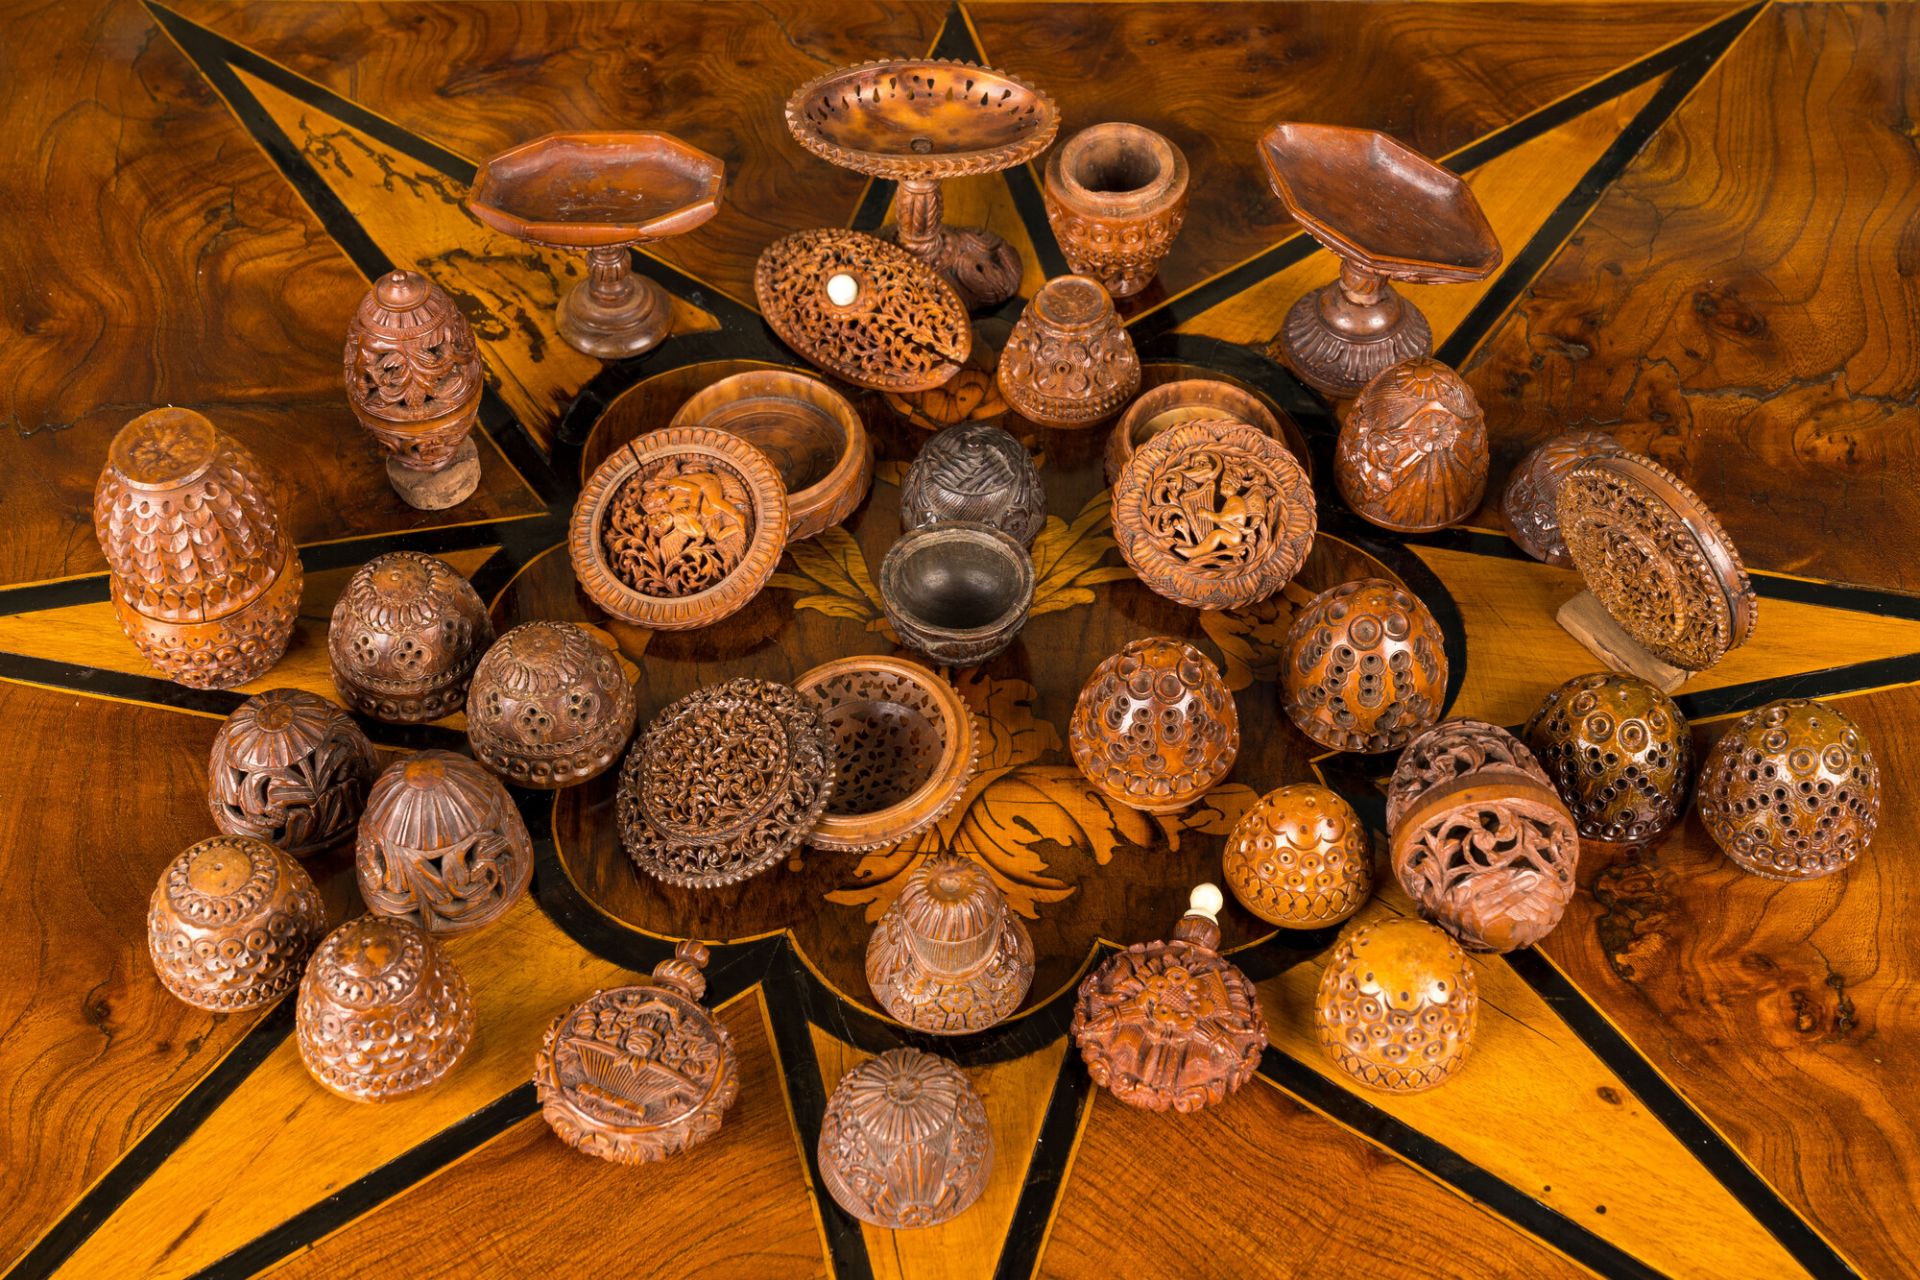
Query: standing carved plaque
point(549, 706)
point(1412, 454)
point(231, 923)
point(442, 845)
point(1530, 505)
point(1366, 667)
point(949, 956)
point(1397, 1005)
point(1155, 726)
point(1792, 790)
point(290, 768)
point(1620, 753)
point(382, 1012)
point(904, 1142)
point(405, 637)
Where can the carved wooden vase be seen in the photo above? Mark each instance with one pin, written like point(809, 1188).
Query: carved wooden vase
point(383, 1013)
point(549, 706)
point(231, 924)
point(1155, 726)
point(1300, 858)
point(1397, 1005)
point(1366, 667)
point(1116, 197)
point(442, 845)
point(949, 956)
point(290, 768)
point(1791, 791)
point(1412, 454)
point(904, 1142)
point(1068, 361)
point(405, 637)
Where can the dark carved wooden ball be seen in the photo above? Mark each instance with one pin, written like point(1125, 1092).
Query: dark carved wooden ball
point(1619, 752)
point(1792, 790)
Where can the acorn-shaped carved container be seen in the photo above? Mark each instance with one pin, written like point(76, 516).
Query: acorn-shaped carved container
point(1397, 1005)
point(1412, 454)
point(442, 845)
point(1792, 790)
point(382, 1013)
point(1155, 726)
point(231, 922)
point(639, 1073)
point(975, 471)
point(414, 380)
point(1619, 752)
point(1528, 505)
point(1171, 1024)
point(290, 768)
point(949, 956)
point(1068, 361)
point(1300, 858)
point(549, 706)
point(405, 637)
point(204, 576)
point(904, 1142)
point(1366, 667)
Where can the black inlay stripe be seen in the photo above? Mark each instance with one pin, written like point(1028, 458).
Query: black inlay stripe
point(1673, 1110)
point(1046, 1170)
point(1833, 682)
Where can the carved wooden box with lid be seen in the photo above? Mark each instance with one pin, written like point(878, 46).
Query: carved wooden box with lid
point(231, 924)
point(405, 637)
point(382, 1013)
point(949, 956)
point(442, 844)
point(549, 706)
point(290, 768)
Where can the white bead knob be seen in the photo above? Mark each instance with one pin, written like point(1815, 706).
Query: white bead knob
point(842, 289)
point(1206, 900)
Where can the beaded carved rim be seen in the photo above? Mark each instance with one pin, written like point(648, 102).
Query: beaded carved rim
point(700, 608)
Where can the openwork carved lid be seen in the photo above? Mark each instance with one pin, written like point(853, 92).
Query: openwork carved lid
point(435, 800)
point(275, 729)
point(1453, 749)
point(1155, 726)
point(404, 593)
point(904, 1141)
point(442, 843)
point(922, 118)
point(410, 353)
point(975, 471)
point(951, 912)
point(1529, 504)
point(863, 310)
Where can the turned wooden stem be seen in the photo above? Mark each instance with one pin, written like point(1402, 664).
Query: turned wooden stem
point(607, 272)
point(918, 212)
point(1361, 286)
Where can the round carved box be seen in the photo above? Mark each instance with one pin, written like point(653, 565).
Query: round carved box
point(1482, 842)
point(1155, 726)
point(1214, 514)
point(639, 1073)
point(1792, 790)
point(949, 956)
point(382, 1012)
point(975, 471)
point(290, 768)
point(1300, 858)
point(549, 706)
point(231, 922)
point(1366, 667)
point(1068, 361)
point(1397, 1005)
point(1412, 454)
point(904, 1142)
point(442, 845)
point(1619, 752)
point(1529, 506)
point(405, 637)
point(724, 783)
point(1171, 1024)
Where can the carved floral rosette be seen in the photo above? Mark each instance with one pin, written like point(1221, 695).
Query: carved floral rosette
point(1529, 506)
point(290, 768)
point(1397, 1005)
point(382, 1011)
point(1791, 791)
point(949, 956)
point(1300, 858)
point(975, 472)
point(1116, 197)
point(1620, 754)
point(1068, 361)
point(1412, 454)
point(1155, 726)
point(442, 845)
point(549, 706)
point(1366, 667)
point(904, 1142)
point(405, 637)
point(231, 923)
point(412, 370)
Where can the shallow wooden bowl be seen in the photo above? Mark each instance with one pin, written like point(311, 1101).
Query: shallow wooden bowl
point(958, 592)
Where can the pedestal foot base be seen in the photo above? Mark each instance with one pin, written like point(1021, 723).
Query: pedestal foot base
point(450, 486)
point(639, 321)
point(980, 265)
point(1338, 364)
point(1586, 620)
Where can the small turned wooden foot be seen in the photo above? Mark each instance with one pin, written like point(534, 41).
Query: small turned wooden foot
point(1337, 347)
point(615, 313)
point(450, 486)
point(1588, 622)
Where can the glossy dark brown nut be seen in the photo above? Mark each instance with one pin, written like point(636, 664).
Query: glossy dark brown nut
point(1116, 197)
point(442, 845)
point(1300, 858)
point(975, 472)
point(1069, 361)
point(1529, 506)
point(1619, 752)
point(957, 592)
point(1397, 1005)
point(549, 706)
point(949, 956)
point(1366, 667)
point(290, 768)
point(382, 1013)
point(905, 1142)
point(1791, 791)
point(405, 637)
point(231, 924)
point(1155, 726)
point(1412, 454)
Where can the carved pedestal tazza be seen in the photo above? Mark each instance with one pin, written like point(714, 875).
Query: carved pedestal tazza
point(414, 380)
point(724, 783)
point(1619, 752)
point(1530, 503)
point(679, 528)
point(1171, 1024)
point(1068, 361)
point(549, 706)
point(949, 956)
point(290, 768)
point(1116, 197)
point(1412, 454)
point(978, 472)
point(382, 1012)
point(1300, 858)
point(231, 924)
point(1155, 726)
point(1214, 514)
point(1397, 1005)
point(1791, 791)
point(957, 592)
point(204, 576)
point(1169, 404)
point(405, 637)
point(442, 845)
point(905, 1141)
point(1366, 667)
point(639, 1073)
point(1481, 841)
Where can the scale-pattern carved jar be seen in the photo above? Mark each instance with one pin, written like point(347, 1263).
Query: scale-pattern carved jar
point(549, 706)
point(1529, 505)
point(442, 845)
point(949, 956)
point(405, 637)
point(1619, 752)
point(1791, 791)
point(975, 471)
point(1300, 858)
point(1366, 667)
point(382, 1012)
point(1155, 726)
point(1068, 361)
point(1397, 1005)
point(231, 923)
point(1412, 454)
point(905, 1142)
point(290, 768)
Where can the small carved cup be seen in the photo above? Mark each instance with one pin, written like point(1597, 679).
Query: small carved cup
point(1117, 196)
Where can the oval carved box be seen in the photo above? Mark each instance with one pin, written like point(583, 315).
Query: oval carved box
point(1068, 362)
point(549, 706)
point(231, 923)
point(1155, 726)
point(904, 1142)
point(1366, 667)
point(405, 637)
point(290, 768)
point(1791, 791)
point(1300, 858)
point(1412, 454)
point(442, 845)
point(949, 956)
point(1530, 504)
point(382, 1012)
point(1397, 1005)
point(1620, 754)
point(975, 471)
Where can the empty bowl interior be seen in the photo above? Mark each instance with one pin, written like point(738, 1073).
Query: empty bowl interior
point(803, 441)
point(884, 751)
point(957, 585)
point(1116, 163)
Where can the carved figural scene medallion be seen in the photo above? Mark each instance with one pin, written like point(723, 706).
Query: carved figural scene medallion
point(904, 1142)
point(231, 924)
point(405, 637)
point(1397, 1005)
point(1155, 727)
point(724, 783)
point(679, 528)
point(1214, 514)
point(290, 768)
point(549, 706)
point(442, 845)
point(639, 1073)
point(976, 472)
point(1069, 361)
point(958, 592)
point(1171, 1024)
point(414, 379)
point(1530, 504)
point(950, 956)
point(204, 576)
point(1791, 791)
point(1116, 197)
point(1482, 842)
point(1300, 858)
point(382, 1011)
point(1412, 454)
point(1620, 754)
point(1366, 667)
